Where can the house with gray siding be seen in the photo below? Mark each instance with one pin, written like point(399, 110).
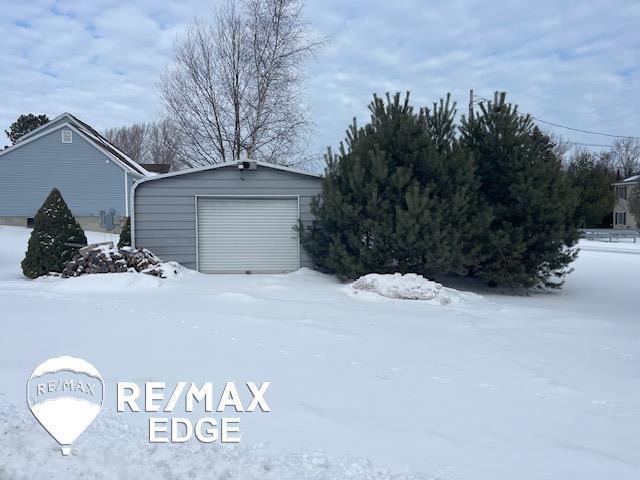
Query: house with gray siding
point(237, 217)
point(94, 177)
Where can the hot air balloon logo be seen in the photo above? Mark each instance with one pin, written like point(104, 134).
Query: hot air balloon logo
point(65, 394)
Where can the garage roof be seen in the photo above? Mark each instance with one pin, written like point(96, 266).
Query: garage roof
point(228, 164)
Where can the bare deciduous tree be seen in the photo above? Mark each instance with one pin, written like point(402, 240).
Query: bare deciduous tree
point(164, 145)
point(561, 147)
point(130, 139)
point(625, 155)
point(235, 87)
point(153, 142)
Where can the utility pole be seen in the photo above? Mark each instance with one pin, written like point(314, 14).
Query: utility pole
point(470, 104)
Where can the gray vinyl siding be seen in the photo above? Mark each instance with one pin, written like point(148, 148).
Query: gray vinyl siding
point(87, 178)
point(164, 220)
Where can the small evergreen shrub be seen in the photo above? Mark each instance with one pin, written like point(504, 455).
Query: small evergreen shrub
point(54, 227)
point(125, 235)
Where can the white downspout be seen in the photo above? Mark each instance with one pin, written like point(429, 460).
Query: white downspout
point(126, 193)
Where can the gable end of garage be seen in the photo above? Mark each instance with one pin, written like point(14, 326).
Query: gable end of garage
point(244, 217)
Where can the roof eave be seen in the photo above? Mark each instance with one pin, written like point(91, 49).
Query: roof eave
point(42, 127)
point(228, 164)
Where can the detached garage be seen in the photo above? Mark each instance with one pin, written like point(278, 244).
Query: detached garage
point(227, 218)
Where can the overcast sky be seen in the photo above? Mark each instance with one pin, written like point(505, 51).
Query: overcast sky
point(571, 62)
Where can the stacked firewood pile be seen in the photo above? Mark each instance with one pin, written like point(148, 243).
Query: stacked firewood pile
point(105, 258)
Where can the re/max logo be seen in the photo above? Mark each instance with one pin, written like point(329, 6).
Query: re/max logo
point(177, 430)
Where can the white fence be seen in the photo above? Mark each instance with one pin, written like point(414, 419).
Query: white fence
point(611, 235)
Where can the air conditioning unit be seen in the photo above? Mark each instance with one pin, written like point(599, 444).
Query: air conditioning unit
point(108, 220)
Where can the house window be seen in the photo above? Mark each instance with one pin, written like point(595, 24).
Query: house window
point(621, 218)
point(621, 192)
point(67, 136)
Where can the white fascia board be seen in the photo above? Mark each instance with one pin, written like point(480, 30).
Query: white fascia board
point(41, 127)
point(79, 132)
point(71, 121)
point(31, 139)
point(228, 164)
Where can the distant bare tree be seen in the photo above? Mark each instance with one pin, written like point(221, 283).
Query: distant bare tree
point(164, 144)
point(235, 87)
point(560, 147)
point(625, 156)
point(130, 139)
point(153, 142)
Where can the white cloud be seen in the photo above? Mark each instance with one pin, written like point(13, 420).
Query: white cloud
point(572, 62)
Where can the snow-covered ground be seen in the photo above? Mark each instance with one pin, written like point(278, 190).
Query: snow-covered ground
point(545, 386)
point(625, 245)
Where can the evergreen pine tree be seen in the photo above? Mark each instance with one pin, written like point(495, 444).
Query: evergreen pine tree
point(591, 178)
point(24, 124)
point(125, 234)
point(54, 226)
point(530, 239)
point(400, 196)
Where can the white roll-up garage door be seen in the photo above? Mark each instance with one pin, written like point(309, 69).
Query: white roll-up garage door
point(247, 234)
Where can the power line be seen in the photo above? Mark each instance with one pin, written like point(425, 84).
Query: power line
point(580, 144)
point(581, 130)
point(569, 128)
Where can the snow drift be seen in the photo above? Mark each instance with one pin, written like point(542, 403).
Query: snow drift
point(498, 387)
point(112, 449)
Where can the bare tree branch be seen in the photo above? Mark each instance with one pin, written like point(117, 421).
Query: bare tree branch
point(235, 87)
point(625, 155)
point(130, 139)
point(153, 142)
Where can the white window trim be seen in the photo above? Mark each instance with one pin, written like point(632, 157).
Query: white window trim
point(70, 133)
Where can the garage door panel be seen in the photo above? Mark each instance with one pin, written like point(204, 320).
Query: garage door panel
point(255, 234)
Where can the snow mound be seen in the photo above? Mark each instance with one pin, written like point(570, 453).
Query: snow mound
point(165, 270)
point(409, 286)
point(111, 449)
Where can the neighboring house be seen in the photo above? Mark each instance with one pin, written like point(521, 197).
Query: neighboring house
point(94, 177)
point(622, 217)
point(236, 217)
